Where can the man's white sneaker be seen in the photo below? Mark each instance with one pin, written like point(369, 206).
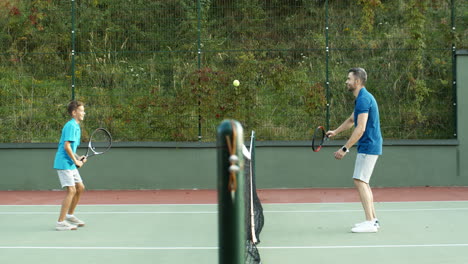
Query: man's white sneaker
point(65, 226)
point(375, 221)
point(75, 221)
point(365, 227)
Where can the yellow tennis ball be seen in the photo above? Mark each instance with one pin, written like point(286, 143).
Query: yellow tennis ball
point(236, 83)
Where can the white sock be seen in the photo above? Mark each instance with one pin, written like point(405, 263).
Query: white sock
point(68, 216)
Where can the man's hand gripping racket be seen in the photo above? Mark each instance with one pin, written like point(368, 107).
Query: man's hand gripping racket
point(319, 138)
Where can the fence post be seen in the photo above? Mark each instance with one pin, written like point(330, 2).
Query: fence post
point(73, 14)
point(462, 109)
point(454, 69)
point(327, 77)
point(199, 65)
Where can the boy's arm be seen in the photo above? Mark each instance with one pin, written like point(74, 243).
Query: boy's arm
point(70, 153)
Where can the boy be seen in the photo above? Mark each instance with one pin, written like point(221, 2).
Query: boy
point(66, 163)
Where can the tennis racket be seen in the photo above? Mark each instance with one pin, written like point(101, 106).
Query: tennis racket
point(99, 143)
point(318, 138)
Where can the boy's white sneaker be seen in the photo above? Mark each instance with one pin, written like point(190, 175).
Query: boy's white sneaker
point(65, 226)
point(73, 220)
point(365, 227)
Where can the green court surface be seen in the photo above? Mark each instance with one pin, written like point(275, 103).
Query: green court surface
point(411, 232)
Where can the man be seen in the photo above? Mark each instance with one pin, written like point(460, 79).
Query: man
point(66, 163)
point(365, 120)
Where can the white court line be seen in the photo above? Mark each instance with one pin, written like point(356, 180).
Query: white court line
point(214, 204)
point(360, 210)
point(366, 246)
point(265, 211)
point(215, 248)
point(112, 248)
point(103, 205)
point(104, 213)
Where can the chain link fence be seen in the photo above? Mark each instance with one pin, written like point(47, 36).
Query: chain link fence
point(163, 70)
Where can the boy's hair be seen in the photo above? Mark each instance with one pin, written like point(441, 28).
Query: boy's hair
point(360, 74)
point(73, 105)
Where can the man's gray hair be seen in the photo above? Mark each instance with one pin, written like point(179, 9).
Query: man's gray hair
point(360, 74)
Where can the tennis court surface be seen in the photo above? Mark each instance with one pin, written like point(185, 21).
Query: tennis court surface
point(174, 227)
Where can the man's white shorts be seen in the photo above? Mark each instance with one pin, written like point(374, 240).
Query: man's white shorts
point(364, 166)
point(69, 177)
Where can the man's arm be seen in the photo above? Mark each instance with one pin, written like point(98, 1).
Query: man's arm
point(358, 131)
point(355, 136)
point(347, 124)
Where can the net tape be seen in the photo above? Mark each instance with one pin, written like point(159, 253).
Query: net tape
point(254, 211)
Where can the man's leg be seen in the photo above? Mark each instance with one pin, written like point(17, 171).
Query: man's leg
point(363, 169)
point(374, 216)
point(367, 199)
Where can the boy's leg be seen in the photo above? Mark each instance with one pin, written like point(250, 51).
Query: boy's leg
point(79, 186)
point(67, 201)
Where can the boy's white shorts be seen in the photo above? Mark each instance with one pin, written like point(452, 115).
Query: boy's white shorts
point(69, 177)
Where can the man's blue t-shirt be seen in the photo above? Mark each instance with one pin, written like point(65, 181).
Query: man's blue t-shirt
point(371, 140)
point(71, 132)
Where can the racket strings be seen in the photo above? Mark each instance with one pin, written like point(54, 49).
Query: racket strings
point(100, 141)
point(318, 138)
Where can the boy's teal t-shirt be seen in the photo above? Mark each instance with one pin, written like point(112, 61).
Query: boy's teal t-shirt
point(71, 132)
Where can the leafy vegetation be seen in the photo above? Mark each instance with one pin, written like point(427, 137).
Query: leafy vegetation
point(163, 70)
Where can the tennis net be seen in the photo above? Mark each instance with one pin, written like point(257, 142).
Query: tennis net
point(254, 218)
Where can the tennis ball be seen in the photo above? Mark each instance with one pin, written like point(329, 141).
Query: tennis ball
point(236, 83)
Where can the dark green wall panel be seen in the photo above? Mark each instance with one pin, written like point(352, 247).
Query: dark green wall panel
point(192, 168)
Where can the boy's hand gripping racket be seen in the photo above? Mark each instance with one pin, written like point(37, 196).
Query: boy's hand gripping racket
point(99, 143)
